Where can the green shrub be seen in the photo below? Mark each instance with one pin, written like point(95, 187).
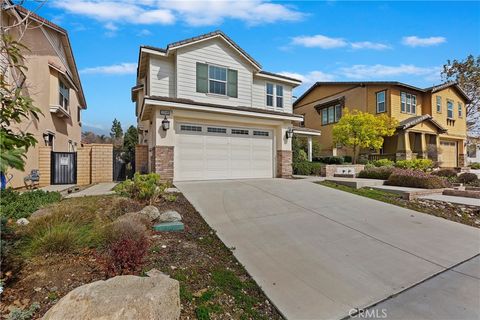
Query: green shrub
point(416, 164)
point(475, 165)
point(467, 178)
point(416, 179)
point(16, 205)
point(347, 159)
point(447, 173)
point(306, 168)
point(382, 173)
point(143, 187)
point(24, 314)
point(383, 163)
point(330, 160)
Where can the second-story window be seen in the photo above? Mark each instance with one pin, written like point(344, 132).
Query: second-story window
point(331, 114)
point(439, 104)
point(381, 105)
point(274, 95)
point(460, 110)
point(408, 103)
point(217, 80)
point(449, 109)
point(63, 95)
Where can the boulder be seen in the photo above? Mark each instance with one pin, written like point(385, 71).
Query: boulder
point(170, 216)
point(121, 297)
point(172, 190)
point(151, 212)
point(22, 222)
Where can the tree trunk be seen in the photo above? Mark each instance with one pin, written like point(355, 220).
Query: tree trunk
point(354, 158)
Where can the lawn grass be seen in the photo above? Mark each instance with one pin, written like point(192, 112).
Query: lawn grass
point(366, 192)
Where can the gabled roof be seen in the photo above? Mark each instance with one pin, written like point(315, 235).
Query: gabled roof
point(23, 12)
point(203, 37)
point(393, 83)
point(413, 121)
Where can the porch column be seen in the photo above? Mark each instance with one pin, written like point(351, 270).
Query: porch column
point(404, 151)
point(309, 139)
point(423, 146)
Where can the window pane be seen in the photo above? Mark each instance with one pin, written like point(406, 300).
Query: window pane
point(218, 73)
point(338, 112)
point(414, 104)
point(324, 116)
point(449, 109)
point(403, 103)
point(217, 87)
point(279, 91)
point(279, 102)
point(331, 114)
point(439, 104)
point(409, 103)
point(270, 101)
point(381, 107)
point(460, 110)
point(381, 101)
point(269, 88)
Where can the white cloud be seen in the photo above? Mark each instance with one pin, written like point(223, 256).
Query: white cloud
point(111, 27)
point(324, 42)
point(369, 45)
point(144, 33)
point(378, 71)
point(196, 13)
point(310, 77)
point(414, 41)
point(319, 41)
point(116, 69)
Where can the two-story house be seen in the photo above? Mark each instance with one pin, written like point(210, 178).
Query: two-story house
point(431, 125)
point(52, 82)
point(207, 110)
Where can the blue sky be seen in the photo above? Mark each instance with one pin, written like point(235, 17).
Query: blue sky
point(314, 41)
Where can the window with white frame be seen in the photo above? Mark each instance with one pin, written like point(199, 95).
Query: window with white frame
point(381, 102)
point(269, 94)
point(274, 95)
point(460, 110)
point(63, 95)
point(439, 104)
point(408, 103)
point(449, 109)
point(217, 80)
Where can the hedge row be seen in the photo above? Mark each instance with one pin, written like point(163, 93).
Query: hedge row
point(416, 179)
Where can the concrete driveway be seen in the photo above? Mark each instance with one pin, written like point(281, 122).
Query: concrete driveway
point(318, 252)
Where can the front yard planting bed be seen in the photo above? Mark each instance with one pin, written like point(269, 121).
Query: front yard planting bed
point(469, 215)
point(213, 284)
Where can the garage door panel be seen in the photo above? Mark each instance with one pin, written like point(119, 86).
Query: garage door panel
point(223, 155)
point(448, 153)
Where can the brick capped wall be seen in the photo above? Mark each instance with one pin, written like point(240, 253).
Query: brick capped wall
point(83, 165)
point(141, 158)
point(44, 158)
point(284, 164)
point(102, 163)
point(162, 162)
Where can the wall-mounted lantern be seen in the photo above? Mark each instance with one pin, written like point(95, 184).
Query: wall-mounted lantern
point(289, 133)
point(46, 138)
point(165, 124)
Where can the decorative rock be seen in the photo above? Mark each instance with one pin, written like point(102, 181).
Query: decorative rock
point(172, 190)
point(151, 212)
point(22, 222)
point(121, 297)
point(170, 216)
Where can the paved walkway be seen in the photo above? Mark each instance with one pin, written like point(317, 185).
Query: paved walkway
point(318, 252)
point(57, 187)
point(453, 199)
point(98, 189)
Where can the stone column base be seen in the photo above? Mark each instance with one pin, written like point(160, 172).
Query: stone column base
point(284, 164)
point(405, 155)
point(162, 162)
point(461, 160)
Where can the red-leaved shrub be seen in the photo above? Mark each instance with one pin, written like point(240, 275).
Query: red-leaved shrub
point(126, 255)
point(416, 179)
point(467, 178)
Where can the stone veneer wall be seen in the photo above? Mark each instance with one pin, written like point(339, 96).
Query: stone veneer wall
point(102, 163)
point(44, 158)
point(141, 158)
point(329, 170)
point(162, 162)
point(84, 160)
point(284, 164)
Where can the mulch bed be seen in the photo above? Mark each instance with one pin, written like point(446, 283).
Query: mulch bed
point(213, 284)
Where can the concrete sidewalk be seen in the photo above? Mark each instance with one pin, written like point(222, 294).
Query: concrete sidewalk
point(99, 189)
point(453, 199)
point(318, 252)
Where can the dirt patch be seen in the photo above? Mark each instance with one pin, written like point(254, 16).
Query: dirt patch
point(213, 284)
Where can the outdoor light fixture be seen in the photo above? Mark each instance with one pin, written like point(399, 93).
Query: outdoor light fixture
point(165, 124)
point(45, 138)
point(289, 133)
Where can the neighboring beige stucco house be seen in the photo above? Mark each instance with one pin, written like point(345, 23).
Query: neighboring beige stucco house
point(227, 118)
point(52, 82)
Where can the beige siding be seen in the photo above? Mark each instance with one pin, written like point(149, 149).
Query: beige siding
point(215, 52)
point(259, 94)
point(162, 77)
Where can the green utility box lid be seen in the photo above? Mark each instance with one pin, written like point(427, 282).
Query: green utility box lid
point(169, 226)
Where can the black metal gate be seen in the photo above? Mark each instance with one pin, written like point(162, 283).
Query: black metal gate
point(119, 166)
point(64, 168)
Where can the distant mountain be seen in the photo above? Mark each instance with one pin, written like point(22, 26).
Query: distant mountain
point(98, 131)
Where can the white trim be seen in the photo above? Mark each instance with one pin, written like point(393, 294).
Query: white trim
point(306, 133)
point(267, 76)
point(153, 51)
point(220, 110)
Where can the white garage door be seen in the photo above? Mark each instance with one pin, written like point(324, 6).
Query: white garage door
point(207, 152)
